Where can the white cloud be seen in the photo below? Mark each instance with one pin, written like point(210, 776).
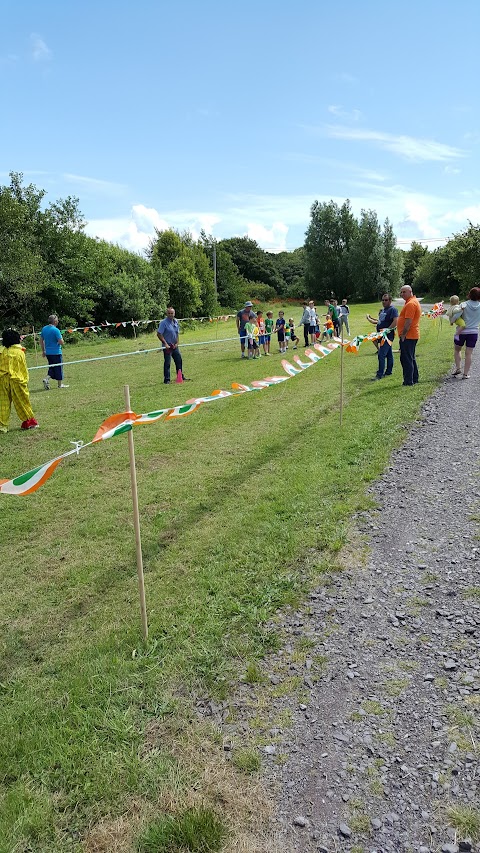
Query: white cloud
point(407, 147)
point(9, 59)
point(40, 51)
point(274, 238)
point(272, 220)
point(123, 231)
point(147, 219)
point(339, 112)
point(133, 232)
point(419, 215)
point(94, 184)
point(136, 231)
point(463, 216)
point(450, 170)
point(339, 165)
point(345, 77)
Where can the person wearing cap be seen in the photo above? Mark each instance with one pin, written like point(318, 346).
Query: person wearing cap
point(245, 315)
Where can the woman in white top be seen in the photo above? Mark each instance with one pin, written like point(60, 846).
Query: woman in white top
point(312, 322)
point(470, 313)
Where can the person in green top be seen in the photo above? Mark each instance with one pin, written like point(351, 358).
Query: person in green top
point(332, 310)
point(268, 331)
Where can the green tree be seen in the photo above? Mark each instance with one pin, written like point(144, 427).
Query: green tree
point(434, 276)
point(463, 253)
point(176, 255)
point(22, 268)
point(366, 259)
point(204, 273)
point(165, 247)
point(392, 261)
point(329, 238)
point(253, 263)
point(411, 260)
point(231, 286)
point(290, 267)
point(130, 289)
point(184, 286)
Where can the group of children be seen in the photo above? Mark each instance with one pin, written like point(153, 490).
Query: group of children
point(259, 333)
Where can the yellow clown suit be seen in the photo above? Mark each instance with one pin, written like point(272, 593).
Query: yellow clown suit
point(14, 386)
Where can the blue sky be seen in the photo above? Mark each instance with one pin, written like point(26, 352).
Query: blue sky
point(235, 117)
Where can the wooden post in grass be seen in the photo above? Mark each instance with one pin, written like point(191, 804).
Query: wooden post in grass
point(35, 344)
point(341, 379)
point(136, 522)
point(134, 330)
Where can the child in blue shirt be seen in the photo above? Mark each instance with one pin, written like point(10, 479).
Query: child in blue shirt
point(280, 330)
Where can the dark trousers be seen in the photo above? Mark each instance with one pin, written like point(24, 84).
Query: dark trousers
point(408, 361)
point(385, 354)
point(305, 334)
point(167, 360)
point(55, 372)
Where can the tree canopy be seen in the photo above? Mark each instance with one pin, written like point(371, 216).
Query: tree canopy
point(48, 264)
point(349, 258)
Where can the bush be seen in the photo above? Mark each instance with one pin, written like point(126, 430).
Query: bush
point(263, 292)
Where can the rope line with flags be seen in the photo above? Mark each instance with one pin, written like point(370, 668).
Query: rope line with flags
point(121, 422)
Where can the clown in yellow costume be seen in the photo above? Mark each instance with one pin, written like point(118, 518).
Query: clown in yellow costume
point(14, 382)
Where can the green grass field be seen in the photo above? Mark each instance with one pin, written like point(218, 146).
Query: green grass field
point(243, 504)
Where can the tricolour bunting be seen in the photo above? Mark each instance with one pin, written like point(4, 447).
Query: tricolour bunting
point(122, 422)
point(354, 345)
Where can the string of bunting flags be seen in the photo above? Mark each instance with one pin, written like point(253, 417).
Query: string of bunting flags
point(100, 327)
point(435, 311)
point(122, 422)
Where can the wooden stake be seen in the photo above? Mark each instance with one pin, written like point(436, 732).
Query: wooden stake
point(134, 329)
point(341, 380)
point(136, 522)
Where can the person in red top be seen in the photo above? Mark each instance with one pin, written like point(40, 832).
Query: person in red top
point(408, 328)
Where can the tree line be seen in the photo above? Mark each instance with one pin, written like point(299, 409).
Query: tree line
point(49, 264)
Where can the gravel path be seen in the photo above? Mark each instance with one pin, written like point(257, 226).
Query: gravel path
point(389, 739)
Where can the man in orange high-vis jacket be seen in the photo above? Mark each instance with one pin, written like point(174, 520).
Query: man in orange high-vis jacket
point(408, 328)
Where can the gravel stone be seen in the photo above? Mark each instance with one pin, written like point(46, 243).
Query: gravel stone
point(398, 636)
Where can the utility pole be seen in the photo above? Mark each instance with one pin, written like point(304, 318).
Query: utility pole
point(215, 266)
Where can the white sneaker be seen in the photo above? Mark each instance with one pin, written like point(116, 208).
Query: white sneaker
point(46, 383)
point(64, 386)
